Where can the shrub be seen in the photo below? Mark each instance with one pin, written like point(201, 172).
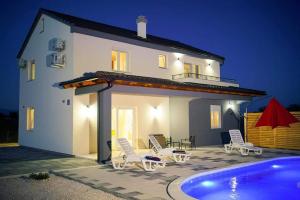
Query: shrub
point(39, 176)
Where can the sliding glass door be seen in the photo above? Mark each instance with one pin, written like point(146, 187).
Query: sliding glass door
point(123, 125)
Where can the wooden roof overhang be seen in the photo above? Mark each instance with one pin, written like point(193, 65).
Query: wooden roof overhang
point(148, 82)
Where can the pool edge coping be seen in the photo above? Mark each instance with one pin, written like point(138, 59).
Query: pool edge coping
point(174, 188)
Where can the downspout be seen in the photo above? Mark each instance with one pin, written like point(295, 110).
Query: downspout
point(109, 85)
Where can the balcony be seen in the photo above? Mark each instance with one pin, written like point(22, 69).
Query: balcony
point(204, 79)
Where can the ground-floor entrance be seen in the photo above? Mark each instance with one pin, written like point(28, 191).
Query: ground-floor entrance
point(123, 125)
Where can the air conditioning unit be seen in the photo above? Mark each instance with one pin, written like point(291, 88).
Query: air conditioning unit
point(58, 60)
point(58, 44)
point(22, 63)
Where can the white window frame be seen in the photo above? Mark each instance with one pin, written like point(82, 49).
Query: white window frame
point(214, 108)
point(29, 70)
point(166, 61)
point(118, 60)
point(30, 120)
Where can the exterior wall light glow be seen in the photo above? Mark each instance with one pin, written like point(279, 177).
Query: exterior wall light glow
point(230, 105)
point(88, 111)
point(178, 60)
point(155, 112)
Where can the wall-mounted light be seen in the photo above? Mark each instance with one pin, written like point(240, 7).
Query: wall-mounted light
point(230, 105)
point(88, 111)
point(209, 68)
point(155, 112)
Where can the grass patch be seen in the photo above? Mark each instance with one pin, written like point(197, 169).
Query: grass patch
point(39, 176)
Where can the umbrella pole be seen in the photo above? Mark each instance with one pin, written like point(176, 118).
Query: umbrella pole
point(246, 125)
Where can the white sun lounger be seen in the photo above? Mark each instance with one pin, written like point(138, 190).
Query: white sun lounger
point(237, 143)
point(128, 157)
point(168, 152)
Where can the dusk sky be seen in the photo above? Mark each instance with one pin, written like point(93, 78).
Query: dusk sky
point(259, 39)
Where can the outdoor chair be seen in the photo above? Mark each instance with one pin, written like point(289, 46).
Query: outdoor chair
point(128, 157)
point(177, 155)
point(237, 143)
point(190, 142)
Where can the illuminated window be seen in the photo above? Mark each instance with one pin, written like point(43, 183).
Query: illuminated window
point(119, 61)
point(31, 71)
point(30, 118)
point(123, 61)
point(196, 69)
point(215, 116)
point(187, 70)
point(162, 61)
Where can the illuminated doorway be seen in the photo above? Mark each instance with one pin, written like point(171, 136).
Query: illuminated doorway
point(123, 125)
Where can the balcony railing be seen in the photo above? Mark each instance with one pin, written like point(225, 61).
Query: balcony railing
point(203, 77)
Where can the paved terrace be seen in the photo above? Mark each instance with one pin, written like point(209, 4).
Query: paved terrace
point(131, 183)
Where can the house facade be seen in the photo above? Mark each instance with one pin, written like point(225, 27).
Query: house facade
point(84, 83)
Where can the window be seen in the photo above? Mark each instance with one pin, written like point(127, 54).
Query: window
point(162, 61)
point(119, 61)
point(187, 70)
point(215, 116)
point(30, 119)
point(31, 71)
point(196, 71)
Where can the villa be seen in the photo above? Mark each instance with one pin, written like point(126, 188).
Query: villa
point(84, 83)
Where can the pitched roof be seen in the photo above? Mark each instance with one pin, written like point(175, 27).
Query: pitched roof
point(92, 25)
point(100, 77)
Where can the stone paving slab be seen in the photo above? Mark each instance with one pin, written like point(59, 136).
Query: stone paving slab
point(135, 183)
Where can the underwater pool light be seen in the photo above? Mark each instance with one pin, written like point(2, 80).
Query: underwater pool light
point(207, 183)
point(276, 166)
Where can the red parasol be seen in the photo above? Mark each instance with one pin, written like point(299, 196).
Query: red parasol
point(276, 115)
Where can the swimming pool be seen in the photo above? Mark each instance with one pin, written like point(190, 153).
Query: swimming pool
point(274, 179)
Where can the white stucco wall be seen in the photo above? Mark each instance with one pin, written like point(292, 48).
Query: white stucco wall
point(81, 126)
point(94, 54)
point(146, 122)
point(179, 117)
point(53, 117)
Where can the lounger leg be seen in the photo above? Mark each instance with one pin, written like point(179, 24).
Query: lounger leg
point(227, 148)
point(181, 158)
point(150, 167)
point(258, 151)
point(244, 151)
point(118, 165)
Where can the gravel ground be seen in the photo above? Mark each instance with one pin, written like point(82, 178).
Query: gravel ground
point(53, 188)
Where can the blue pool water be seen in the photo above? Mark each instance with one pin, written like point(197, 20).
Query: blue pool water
point(276, 179)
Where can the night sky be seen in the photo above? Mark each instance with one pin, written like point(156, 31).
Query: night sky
point(259, 39)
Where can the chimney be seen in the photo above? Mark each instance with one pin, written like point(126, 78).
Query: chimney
point(141, 22)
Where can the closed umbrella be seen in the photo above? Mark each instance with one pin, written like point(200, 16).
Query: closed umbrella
point(275, 115)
